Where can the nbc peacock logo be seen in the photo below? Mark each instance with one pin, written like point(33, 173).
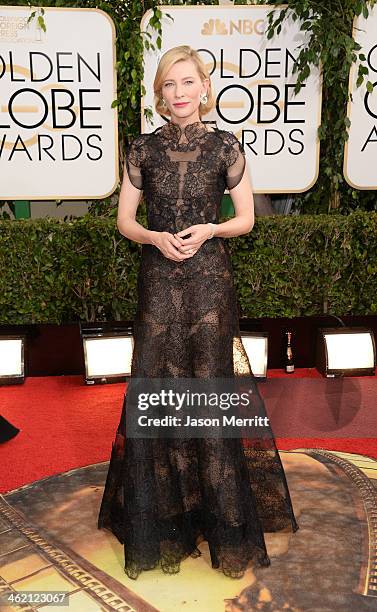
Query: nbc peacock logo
point(238, 26)
point(214, 26)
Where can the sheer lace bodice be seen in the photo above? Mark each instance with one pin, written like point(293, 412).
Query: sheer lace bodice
point(163, 496)
point(183, 174)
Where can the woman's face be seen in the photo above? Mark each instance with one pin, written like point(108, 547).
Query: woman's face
point(182, 84)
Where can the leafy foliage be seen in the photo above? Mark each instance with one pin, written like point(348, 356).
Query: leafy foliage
point(332, 48)
point(287, 266)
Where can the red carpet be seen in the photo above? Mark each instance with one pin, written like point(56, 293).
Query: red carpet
point(65, 424)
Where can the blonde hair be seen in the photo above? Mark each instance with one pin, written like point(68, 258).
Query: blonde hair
point(171, 57)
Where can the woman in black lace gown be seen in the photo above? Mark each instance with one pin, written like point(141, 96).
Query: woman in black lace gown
point(164, 496)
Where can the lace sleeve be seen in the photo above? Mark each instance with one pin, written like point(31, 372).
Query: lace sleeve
point(135, 156)
point(235, 160)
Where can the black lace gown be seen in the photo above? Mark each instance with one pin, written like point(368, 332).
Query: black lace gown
point(162, 497)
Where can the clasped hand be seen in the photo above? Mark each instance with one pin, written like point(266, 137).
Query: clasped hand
point(177, 248)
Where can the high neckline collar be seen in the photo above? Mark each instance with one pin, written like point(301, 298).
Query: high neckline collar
point(191, 130)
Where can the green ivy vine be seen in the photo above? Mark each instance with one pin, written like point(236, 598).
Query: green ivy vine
point(331, 46)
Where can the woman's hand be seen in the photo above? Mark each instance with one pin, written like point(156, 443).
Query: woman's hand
point(170, 246)
point(199, 234)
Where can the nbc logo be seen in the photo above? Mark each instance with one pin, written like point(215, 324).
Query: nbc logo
point(214, 26)
point(241, 26)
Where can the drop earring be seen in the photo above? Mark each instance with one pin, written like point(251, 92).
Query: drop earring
point(203, 98)
point(163, 102)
